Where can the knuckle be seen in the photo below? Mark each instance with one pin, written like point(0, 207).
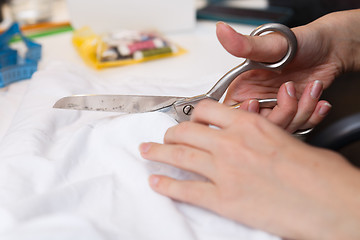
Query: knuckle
point(249, 50)
point(178, 155)
point(183, 128)
point(177, 131)
point(306, 113)
point(183, 156)
point(289, 111)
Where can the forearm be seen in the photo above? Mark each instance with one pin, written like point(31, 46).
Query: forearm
point(341, 31)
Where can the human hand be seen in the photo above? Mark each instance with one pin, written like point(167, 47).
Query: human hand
point(314, 62)
point(290, 113)
point(259, 175)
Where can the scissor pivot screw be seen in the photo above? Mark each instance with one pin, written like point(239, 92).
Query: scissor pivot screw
point(188, 109)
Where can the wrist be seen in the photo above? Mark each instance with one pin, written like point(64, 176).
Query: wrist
point(344, 214)
point(340, 31)
point(333, 212)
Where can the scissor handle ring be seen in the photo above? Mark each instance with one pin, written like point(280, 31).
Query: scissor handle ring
point(290, 37)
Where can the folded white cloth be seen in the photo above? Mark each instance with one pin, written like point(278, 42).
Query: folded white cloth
point(78, 175)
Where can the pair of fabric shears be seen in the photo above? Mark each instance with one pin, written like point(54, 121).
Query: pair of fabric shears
point(180, 108)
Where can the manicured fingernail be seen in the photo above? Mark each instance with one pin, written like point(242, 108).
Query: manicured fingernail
point(253, 106)
point(144, 147)
point(290, 88)
point(325, 109)
point(316, 89)
point(154, 180)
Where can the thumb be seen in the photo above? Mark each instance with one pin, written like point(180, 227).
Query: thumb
point(267, 48)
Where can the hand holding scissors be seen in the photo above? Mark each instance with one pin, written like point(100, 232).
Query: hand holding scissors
point(312, 69)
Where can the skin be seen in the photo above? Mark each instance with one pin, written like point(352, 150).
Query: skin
point(258, 174)
point(302, 72)
point(323, 53)
point(291, 113)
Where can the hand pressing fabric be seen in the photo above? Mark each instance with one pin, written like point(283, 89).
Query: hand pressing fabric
point(259, 175)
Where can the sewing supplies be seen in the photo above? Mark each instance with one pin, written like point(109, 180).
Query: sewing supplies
point(127, 49)
point(122, 47)
point(13, 65)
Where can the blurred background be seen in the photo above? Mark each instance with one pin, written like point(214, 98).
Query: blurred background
point(305, 11)
point(291, 12)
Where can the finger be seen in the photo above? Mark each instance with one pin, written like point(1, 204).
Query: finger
point(286, 107)
point(321, 111)
point(250, 105)
point(267, 48)
point(192, 134)
point(213, 113)
point(180, 156)
point(194, 192)
point(307, 104)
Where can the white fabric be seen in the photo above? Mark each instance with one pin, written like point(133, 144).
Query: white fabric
point(78, 175)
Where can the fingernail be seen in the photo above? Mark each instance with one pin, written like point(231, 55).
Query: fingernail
point(223, 23)
point(324, 109)
point(154, 180)
point(290, 88)
point(253, 106)
point(316, 89)
point(144, 147)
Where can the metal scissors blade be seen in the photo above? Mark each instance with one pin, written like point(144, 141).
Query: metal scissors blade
point(116, 103)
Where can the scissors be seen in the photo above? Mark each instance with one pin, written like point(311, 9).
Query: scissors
point(180, 108)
